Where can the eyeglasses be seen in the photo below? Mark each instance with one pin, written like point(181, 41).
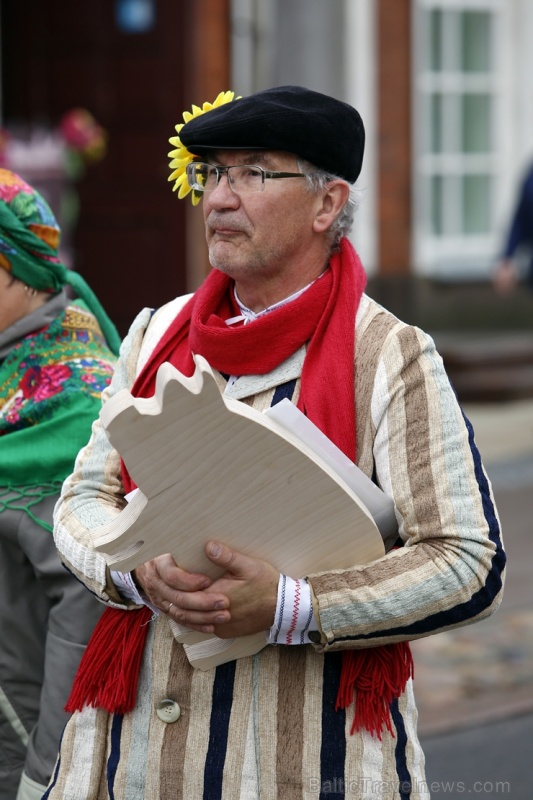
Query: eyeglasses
point(242, 178)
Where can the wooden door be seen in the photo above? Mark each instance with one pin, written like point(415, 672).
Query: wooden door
point(129, 242)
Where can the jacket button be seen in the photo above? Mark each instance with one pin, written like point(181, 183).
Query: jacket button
point(168, 711)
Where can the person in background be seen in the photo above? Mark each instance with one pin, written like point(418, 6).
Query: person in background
point(519, 238)
point(56, 356)
point(327, 706)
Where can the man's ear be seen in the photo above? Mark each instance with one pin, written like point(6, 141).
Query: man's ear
point(334, 199)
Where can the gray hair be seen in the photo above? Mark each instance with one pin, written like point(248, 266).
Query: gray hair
point(316, 181)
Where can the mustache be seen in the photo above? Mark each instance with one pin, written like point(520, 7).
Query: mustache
point(217, 219)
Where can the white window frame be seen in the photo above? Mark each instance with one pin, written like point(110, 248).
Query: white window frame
point(457, 255)
point(347, 58)
point(361, 86)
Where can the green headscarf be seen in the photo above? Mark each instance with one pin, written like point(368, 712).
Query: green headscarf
point(29, 241)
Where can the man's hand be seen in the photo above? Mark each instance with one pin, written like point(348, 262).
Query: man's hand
point(242, 601)
point(505, 277)
point(179, 593)
point(251, 586)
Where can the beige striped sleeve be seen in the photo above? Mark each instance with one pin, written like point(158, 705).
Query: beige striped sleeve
point(412, 433)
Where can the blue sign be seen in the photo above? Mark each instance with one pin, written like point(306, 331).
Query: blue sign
point(135, 16)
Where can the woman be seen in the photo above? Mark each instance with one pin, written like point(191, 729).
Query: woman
point(56, 356)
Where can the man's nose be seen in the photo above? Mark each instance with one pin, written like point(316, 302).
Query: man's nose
point(223, 194)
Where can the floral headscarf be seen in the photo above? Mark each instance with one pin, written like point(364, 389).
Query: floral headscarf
point(29, 241)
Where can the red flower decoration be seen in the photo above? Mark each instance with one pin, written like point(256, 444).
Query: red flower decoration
point(41, 383)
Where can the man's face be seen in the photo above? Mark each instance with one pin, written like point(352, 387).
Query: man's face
point(261, 235)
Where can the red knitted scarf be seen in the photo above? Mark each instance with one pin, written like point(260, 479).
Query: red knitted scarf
point(323, 317)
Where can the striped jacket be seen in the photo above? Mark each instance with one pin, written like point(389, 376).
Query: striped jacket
point(265, 726)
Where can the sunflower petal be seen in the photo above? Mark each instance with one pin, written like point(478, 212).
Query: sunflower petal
point(183, 190)
point(178, 159)
point(180, 156)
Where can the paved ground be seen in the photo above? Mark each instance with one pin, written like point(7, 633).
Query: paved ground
point(488, 762)
point(474, 686)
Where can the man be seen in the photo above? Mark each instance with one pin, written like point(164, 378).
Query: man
point(330, 709)
point(519, 239)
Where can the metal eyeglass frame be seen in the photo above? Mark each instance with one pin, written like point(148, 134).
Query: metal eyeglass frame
point(219, 171)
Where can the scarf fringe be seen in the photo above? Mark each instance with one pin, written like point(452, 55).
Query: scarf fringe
point(109, 669)
point(108, 674)
point(378, 675)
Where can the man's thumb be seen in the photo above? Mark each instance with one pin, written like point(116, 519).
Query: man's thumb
point(222, 556)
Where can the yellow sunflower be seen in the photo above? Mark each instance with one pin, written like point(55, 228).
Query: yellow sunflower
point(181, 156)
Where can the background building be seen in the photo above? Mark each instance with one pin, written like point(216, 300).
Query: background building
point(444, 87)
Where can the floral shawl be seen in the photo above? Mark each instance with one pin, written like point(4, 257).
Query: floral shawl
point(50, 385)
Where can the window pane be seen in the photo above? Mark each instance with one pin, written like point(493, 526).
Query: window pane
point(437, 205)
point(476, 116)
point(475, 41)
point(436, 123)
point(436, 60)
point(476, 203)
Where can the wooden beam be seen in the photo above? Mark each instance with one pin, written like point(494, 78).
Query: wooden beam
point(206, 37)
point(394, 131)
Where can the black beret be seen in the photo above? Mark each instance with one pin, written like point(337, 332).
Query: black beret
point(325, 131)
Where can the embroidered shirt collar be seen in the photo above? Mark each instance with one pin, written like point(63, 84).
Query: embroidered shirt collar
point(247, 315)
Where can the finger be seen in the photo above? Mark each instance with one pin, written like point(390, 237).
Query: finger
point(159, 577)
point(174, 575)
point(149, 582)
point(230, 560)
point(200, 602)
point(194, 618)
point(191, 603)
point(187, 581)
